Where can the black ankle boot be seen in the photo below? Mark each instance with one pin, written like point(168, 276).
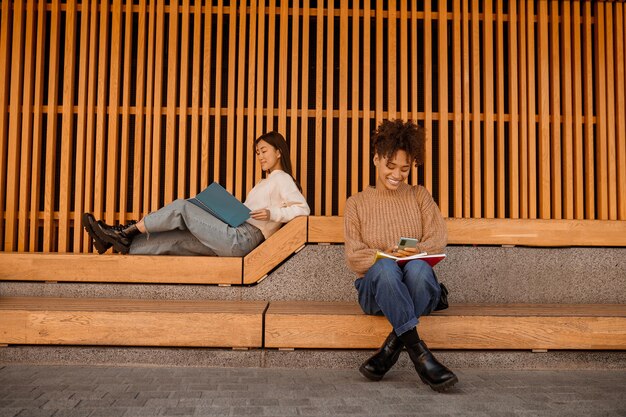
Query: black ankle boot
point(120, 237)
point(90, 224)
point(429, 369)
point(381, 362)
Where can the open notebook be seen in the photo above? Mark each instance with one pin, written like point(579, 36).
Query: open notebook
point(220, 203)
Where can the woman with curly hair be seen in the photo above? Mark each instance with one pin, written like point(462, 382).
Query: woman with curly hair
point(375, 219)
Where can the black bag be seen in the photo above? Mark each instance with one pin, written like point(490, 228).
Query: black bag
point(443, 298)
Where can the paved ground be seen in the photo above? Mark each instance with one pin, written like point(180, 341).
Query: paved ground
point(150, 391)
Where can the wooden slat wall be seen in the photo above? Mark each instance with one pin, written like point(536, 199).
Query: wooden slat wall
point(117, 107)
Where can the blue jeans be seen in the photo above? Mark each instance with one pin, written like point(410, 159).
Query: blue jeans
point(182, 228)
point(401, 294)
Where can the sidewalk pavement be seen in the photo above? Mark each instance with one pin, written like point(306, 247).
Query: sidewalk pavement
point(59, 391)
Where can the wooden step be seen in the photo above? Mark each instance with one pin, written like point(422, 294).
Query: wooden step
point(339, 325)
point(131, 322)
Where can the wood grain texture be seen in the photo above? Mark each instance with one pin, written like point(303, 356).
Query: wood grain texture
point(113, 322)
point(342, 325)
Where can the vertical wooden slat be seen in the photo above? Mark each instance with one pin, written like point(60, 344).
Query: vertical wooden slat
point(457, 68)
point(356, 90)
point(230, 109)
point(620, 89)
point(295, 75)
point(260, 79)
point(342, 174)
point(194, 155)
point(304, 99)
point(91, 120)
point(414, 78)
point(555, 111)
point(391, 58)
point(219, 52)
point(577, 88)
point(514, 126)
point(500, 157)
point(380, 63)
point(330, 68)
point(154, 178)
point(241, 94)
point(150, 108)
point(523, 125)
point(403, 88)
point(610, 114)
point(67, 129)
point(172, 85)
point(51, 134)
point(15, 124)
point(543, 84)
point(206, 97)
point(588, 98)
point(140, 113)
point(319, 104)
point(601, 114)
point(367, 158)
point(532, 114)
point(488, 93)
point(5, 51)
point(113, 157)
point(252, 81)
point(270, 66)
point(183, 169)
point(467, 70)
point(282, 68)
point(125, 131)
point(443, 108)
point(428, 94)
point(568, 120)
point(476, 122)
point(27, 127)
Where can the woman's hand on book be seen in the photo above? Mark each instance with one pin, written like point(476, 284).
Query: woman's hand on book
point(260, 214)
point(401, 253)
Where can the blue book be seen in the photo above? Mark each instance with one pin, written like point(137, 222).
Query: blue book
point(220, 203)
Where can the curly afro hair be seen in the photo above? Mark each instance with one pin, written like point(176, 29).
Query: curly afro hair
point(394, 135)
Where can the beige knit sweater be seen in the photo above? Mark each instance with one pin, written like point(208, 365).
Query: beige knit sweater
point(376, 219)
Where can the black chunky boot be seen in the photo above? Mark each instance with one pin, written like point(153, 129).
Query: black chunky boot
point(429, 369)
point(120, 237)
point(381, 362)
point(90, 224)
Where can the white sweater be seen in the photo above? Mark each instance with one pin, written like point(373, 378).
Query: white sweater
point(278, 193)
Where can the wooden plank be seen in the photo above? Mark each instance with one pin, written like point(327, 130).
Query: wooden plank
point(523, 126)
point(4, 98)
point(428, 93)
point(543, 91)
point(219, 52)
point(529, 232)
point(252, 81)
point(556, 160)
point(140, 114)
point(601, 137)
point(403, 89)
point(391, 58)
point(610, 115)
point(171, 121)
point(467, 133)
point(457, 68)
point(282, 244)
point(27, 127)
point(304, 98)
point(500, 157)
point(380, 63)
point(125, 131)
point(356, 137)
point(149, 109)
point(231, 172)
point(588, 97)
point(294, 147)
point(206, 98)
point(344, 325)
point(579, 184)
point(241, 166)
point(183, 169)
point(620, 80)
point(67, 129)
point(488, 168)
point(319, 105)
point(133, 322)
point(153, 177)
point(120, 268)
point(270, 66)
point(342, 139)
point(443, 200)
point(568, 120)
point(51, 134)
point(514, 121)
point(532, 113)
point(194, 157)
point(82, 79)
point(366, 154)
point(282, 67)
point(330, 69)
point(476, 122)
point(15, 124)
point(101, 110)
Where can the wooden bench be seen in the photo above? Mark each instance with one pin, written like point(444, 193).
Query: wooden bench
point(341, 325)
point(158, 269)
point(123, 322)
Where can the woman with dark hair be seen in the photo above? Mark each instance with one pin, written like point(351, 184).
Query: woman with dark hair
point(375, 220)
point(182, 228)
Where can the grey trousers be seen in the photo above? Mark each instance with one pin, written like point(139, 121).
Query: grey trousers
point(182, 228)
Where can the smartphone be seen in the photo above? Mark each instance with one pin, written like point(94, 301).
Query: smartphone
point(407, 242)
